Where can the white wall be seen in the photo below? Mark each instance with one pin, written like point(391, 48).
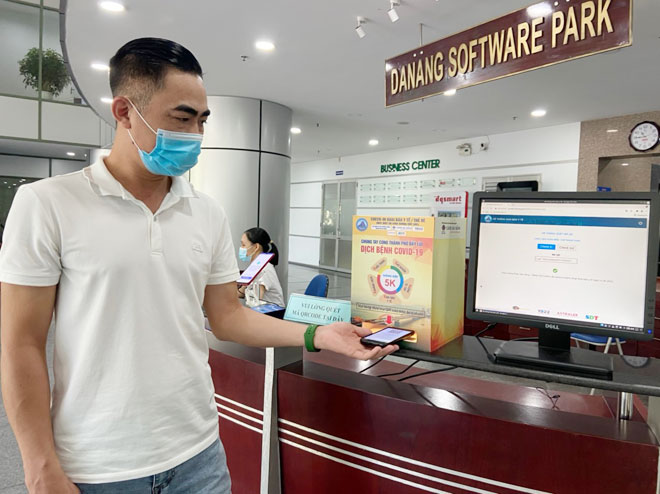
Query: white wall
point(550, 152)
point(24, 121)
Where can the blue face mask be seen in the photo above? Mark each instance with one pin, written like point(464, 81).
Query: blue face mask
point(175, 152)
point(242, 254)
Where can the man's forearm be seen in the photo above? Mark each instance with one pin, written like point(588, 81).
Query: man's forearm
point(245, 326)
point(26, 396)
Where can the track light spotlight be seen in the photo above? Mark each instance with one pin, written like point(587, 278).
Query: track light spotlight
point(394, 16)
point(359, 29)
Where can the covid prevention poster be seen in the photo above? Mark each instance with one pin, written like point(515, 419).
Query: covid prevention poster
point(409, 272)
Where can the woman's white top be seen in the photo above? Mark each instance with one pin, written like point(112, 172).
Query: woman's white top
point(273, 290)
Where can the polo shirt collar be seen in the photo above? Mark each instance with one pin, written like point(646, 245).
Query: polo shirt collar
point(103, 183)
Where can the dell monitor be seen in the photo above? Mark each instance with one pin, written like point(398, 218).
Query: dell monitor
point(564, 262)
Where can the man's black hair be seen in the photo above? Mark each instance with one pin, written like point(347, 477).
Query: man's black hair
point(139, 67)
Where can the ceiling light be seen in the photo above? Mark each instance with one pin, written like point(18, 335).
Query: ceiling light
point(295, 130)
point(105, 99)
point(264, 45)
point(539, 10)
point(612, 131)
point(392, 12)
point(112, 6)
point(538, 113)
point(625, 164)
point(359, 30)
point(373, 142)
point(100, 66)
point(450, 92)
point(70, 153)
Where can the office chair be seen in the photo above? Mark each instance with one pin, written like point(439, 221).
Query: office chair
point(595, 340)
point(318, 287)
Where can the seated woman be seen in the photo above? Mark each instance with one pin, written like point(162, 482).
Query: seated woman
point(266, 287)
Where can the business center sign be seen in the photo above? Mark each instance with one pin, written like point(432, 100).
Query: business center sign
point(543, 34)
point(404, 166)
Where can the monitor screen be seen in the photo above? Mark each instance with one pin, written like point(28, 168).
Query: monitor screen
point(566, 261)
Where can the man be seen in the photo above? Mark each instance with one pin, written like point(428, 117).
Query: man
point(125, 253)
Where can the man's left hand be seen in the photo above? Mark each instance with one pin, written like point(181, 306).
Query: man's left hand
point(344, 338)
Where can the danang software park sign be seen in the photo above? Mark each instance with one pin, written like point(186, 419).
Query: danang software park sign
point(543, 34)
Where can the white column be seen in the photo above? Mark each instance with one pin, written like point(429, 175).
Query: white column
point(245, 166)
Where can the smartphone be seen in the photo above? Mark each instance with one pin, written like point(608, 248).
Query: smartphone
point(386, 336)
point(254, 269)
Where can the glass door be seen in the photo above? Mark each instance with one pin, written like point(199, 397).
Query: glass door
point(339, 205)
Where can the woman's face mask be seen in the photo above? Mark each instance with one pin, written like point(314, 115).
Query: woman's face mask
point(243, 253)
point(175, 152)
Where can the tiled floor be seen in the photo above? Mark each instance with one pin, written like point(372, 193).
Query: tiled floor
point(11, 472)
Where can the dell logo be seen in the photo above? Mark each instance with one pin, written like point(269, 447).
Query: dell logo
point(552, 326)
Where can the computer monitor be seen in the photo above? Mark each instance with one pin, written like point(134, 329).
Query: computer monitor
point(564, 262)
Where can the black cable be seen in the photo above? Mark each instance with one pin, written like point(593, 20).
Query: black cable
point(427, 372)
point(397, 373)
point(372, 365)
point(553, 398)
point(487, 328)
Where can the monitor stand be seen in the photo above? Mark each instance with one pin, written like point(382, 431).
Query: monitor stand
point(553, 354)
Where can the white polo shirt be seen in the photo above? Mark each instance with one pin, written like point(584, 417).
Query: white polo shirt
point(133, 394)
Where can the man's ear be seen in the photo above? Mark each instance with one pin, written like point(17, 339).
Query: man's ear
point(120, 109)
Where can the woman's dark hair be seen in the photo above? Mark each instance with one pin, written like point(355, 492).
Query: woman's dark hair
point(260, 236)
point(138, 69)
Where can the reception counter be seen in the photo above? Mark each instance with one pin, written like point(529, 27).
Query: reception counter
point(296, 422)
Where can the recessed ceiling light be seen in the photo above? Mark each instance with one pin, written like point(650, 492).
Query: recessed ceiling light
point(264, 45)
point(625, 164)
point(450, 92)
point(403, 122)
point(106, 100)
point(539, 10)
point(295, 130)
point(112, 6)
point(538, 113)
point(100, 66)
point(612, 131)
point(373, 142)
point(70, 153)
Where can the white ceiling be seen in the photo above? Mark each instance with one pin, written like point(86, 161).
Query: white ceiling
point(334, 81)
point(41, 149)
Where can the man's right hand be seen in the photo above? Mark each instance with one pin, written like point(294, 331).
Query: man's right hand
point(50, 481)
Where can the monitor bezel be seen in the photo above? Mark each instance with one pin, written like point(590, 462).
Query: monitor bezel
point(561, 324)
